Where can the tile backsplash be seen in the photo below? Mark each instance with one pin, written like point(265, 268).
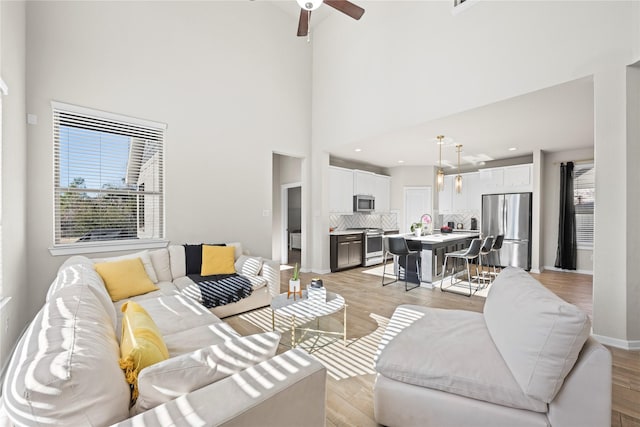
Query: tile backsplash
point(388, 221)
point(464, 218)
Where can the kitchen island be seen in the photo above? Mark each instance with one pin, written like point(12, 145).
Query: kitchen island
point(433, 249)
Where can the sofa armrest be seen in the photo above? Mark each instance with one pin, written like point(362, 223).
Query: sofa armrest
point(585, 396)
point(271, 272)
point(288, 389)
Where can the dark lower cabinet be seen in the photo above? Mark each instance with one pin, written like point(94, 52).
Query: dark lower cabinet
point(346, 251)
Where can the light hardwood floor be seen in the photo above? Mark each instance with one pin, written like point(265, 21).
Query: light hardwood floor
point(350, 402)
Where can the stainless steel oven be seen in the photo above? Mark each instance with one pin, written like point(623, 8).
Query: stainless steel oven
point(373, 246)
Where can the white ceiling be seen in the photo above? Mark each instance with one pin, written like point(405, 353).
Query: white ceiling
point(553, 119)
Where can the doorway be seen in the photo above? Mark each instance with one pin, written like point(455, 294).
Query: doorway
point(291, 223)
point(287, 239)
point(417, 202)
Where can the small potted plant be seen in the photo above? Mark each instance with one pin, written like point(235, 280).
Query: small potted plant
point(294, 283)
point(416, 228)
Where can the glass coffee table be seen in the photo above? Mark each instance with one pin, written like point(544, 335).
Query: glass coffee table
point(304, 316)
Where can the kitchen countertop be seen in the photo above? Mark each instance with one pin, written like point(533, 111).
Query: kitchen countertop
point(344, 232)
point(438, 238)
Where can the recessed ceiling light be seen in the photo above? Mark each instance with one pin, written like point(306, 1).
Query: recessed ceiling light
point(357, 150)
point(400, 161)
point(513, 149)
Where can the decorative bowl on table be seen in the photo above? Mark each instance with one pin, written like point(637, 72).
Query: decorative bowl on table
point(445, 229)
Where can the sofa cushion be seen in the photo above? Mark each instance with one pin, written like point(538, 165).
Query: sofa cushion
point(84, 274)
point(141, 344)
point(176, 313)
point(451, 351)
point(248, 265)
point(201, 336)
point(177, 260)
point(538, 334)
point(193, 258)
point(65, 370)
point(217, 260)
point(125, 278)
point(237, 246)
point(182, 374)
point(144, 257)
point(161, 264)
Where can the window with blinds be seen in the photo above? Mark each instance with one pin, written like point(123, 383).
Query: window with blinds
point(109, 177)
point(584, 200)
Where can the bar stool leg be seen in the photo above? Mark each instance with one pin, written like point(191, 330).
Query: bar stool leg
point(468, 275)
point(444, 270)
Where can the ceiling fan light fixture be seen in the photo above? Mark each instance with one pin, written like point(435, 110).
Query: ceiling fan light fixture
point(309, 4)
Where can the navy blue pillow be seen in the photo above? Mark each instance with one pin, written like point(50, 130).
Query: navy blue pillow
point(193, 256)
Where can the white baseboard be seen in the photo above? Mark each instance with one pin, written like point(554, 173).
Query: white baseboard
point(536, 270)
point(548, 267)
point(616, 342)
point(318, 271)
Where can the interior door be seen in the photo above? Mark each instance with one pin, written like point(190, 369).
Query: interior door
point(417, 202)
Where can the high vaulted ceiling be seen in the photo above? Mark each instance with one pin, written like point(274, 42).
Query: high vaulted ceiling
point(553, 119)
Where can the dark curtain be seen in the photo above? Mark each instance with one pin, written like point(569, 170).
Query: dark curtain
point(566, 255)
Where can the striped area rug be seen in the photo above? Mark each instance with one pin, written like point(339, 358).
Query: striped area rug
point(341, 362)
point(461, 288)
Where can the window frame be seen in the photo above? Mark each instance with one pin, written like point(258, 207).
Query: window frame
point(60, 249)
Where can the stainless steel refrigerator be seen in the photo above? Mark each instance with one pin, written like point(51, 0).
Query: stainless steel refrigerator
point(509, 214)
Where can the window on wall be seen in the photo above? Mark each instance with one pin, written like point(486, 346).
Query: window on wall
point(109, 178)
point(584, 200)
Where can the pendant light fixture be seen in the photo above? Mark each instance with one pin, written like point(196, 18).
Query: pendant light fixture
point(440, 176)
point(458, 177)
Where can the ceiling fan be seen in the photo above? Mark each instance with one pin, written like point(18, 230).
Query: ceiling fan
point(307, 6)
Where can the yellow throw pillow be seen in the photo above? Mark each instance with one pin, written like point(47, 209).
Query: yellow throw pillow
point(126, 278)
point(217, 260)
point(141, 344)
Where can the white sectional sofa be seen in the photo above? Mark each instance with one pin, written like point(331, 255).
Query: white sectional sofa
point(65, 369)
point(264, 275)
point(527, 360)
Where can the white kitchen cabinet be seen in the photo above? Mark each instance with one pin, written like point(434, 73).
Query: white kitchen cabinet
point(473, 189)
point(382, 193)
point(469, 200)
point(364, 182)
point(508, 179)
point(340, 190)
point(492, 180)
point(445, 200)
point(518, 178)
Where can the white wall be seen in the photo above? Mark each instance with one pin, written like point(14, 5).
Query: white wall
point(633, 202)
point(228, 78)
point(551, 206)
point(405, 63)
point(15, 315)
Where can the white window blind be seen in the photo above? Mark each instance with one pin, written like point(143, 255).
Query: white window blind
point(109, 177)
point(584, 200)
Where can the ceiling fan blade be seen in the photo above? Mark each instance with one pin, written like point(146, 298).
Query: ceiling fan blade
point(303, 24)
point(346, 7)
